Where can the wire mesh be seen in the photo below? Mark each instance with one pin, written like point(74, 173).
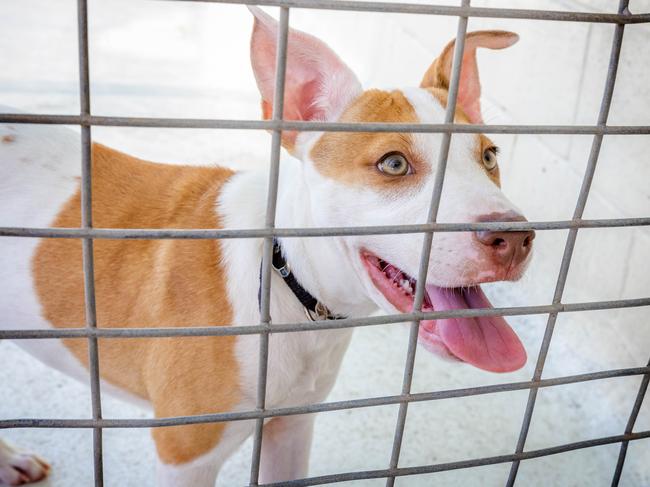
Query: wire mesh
point(87, 233)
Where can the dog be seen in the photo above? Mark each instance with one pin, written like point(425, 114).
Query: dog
point(327, 179)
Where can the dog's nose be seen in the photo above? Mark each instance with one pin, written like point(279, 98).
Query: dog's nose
point(507, 248)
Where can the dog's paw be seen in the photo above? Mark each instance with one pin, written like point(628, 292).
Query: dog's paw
point(20, 468)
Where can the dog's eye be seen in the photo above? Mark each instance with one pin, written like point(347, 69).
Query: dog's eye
point(394, 164)
point(490, 158)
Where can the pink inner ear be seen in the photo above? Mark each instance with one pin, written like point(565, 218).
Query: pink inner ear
point(301, 98)
point(469, 89)
point(318, 85)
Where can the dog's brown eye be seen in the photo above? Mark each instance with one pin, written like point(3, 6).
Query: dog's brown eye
point(490, 158)
point(394, 164)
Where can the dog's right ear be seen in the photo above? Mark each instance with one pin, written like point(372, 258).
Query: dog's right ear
point(469, 88)
point(318, 85)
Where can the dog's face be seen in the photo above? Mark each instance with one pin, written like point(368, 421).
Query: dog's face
point(358, 178)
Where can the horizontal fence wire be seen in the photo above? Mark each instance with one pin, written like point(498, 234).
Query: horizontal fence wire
point(91, 333)
point(208, 331)
point(428, 9)
point(171, 233)
point(319, 407)
point(303, 126)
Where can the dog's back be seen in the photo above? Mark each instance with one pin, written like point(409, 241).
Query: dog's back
point(39, 187)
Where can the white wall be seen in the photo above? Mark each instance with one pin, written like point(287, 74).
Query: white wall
point(191, 60)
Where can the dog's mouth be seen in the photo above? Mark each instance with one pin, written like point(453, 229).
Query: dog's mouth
point(487, 342)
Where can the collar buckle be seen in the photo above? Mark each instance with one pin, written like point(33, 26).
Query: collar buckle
point(284, 271)
point(278, 263)
point(320, 313)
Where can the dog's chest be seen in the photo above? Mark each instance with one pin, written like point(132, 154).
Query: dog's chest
point(311, 369)
point(302, 366)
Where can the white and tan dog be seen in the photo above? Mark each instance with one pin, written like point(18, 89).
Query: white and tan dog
point(332, 179)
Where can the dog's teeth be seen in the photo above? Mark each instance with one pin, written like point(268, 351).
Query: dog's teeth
point(406, 285)
point(397, 277)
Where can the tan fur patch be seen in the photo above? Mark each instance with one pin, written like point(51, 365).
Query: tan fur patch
point(351, 157)
point(150, 283)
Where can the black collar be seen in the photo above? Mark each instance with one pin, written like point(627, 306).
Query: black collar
point(314, 309)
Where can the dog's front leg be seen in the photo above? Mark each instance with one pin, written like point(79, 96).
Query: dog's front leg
point(285, 448)
point(188, 456)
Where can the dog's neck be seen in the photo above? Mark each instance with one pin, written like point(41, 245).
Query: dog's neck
point(322, 265)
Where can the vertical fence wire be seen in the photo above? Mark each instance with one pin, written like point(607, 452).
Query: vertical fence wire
point(87, 243)
point(409, 364)
point(267, 253)
point(571, 238)
point(643, 388)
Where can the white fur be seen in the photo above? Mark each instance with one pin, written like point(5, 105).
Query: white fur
point(285, 448)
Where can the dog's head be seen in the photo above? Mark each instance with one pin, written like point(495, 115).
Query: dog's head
point(388, 178)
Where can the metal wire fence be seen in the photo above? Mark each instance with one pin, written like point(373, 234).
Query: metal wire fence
point(88, 234)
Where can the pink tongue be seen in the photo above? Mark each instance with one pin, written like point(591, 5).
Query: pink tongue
point(486, 342)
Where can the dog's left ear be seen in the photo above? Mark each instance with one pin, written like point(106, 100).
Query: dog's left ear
point(469, 89)
point(318, 85)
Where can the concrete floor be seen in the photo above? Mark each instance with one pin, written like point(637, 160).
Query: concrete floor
point(158, 76)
